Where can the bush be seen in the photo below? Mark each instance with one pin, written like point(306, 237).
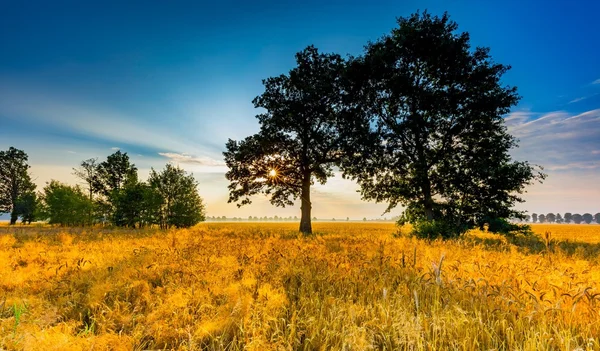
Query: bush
point(438, 228)
point(502, 226)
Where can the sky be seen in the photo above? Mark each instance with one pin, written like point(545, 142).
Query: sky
point(171, 81)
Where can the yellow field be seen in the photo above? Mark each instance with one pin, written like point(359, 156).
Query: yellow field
point(352, 286)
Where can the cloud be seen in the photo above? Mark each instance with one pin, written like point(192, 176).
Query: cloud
point(577, 99)
point(597, 81)
point(71, 152)
point(189, 159)
point(84, 119)
point(559, 141)
point(115, 148)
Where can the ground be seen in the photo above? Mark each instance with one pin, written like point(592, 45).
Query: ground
point(350, 286)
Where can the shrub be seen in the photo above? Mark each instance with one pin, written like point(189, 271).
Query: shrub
point(439, 228)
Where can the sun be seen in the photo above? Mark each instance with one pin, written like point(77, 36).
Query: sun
point(272, 173)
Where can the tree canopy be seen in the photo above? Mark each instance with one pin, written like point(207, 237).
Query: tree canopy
point(437, 108)
point(175, 194)
point(16, 187)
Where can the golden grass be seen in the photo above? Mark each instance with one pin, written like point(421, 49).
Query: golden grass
point(589, 233)
point(260, 286)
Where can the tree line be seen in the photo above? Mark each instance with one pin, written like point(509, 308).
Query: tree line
point(113, 194)
point(566, 218)
point(416, 120)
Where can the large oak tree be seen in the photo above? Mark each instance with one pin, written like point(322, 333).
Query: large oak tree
point(437, 108)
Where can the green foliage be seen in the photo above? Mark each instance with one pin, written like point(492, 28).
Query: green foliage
point(180, 204)
point(65, 205)
point(436, 108)
point(137, 205)
point(15, 181)
point(502, 226)
point(27, 207)
point(433, 229)
point(587, 218)
point(113, 173)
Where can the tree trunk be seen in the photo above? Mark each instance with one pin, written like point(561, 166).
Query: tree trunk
point(13, 217)
point(305, 223)
point(428, 200)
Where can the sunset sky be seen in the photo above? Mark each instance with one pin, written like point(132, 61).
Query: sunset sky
point(166, 82)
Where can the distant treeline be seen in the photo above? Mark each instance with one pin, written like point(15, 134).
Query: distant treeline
point(113, 194)
point(292, 219)
point(568, 217)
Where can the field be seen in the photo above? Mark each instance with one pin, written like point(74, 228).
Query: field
point(261, 286)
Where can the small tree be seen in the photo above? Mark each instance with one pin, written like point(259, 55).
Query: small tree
point(542, 218)
point(597, 218)
point(110, 176)
point(559, 218)
point(181, 205)
point(587, 218)
point(550, 218)
point(15, 181)
point(27, 207)
point(527, 218)
point(88, 173)
point(568, 217)
point(577, 218)
point(138, 205)
point(64, 205)
point(534, 217)
point(441, 145)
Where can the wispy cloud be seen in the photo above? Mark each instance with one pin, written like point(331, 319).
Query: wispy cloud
point(577, 99)
point(190, 159)
point(597, 81)
point(559, 141)
point(115, 148)
point(85, 119)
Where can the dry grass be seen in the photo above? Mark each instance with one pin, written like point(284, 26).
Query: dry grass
point(352, 286)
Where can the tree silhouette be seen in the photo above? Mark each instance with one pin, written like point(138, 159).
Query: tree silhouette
point(559, 218)
point(577, 218)
point(15, 182)
point(550, 218)
point(597, 218)
point(587, 218)
point(542, 218)
point(88, 173)
point(568, 217)
point(299, 139)
point(534, 217)
point(437, 110)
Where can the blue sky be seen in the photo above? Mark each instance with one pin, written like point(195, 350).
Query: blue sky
point(171, 81)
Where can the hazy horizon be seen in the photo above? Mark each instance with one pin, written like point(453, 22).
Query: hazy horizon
point(172, 85)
